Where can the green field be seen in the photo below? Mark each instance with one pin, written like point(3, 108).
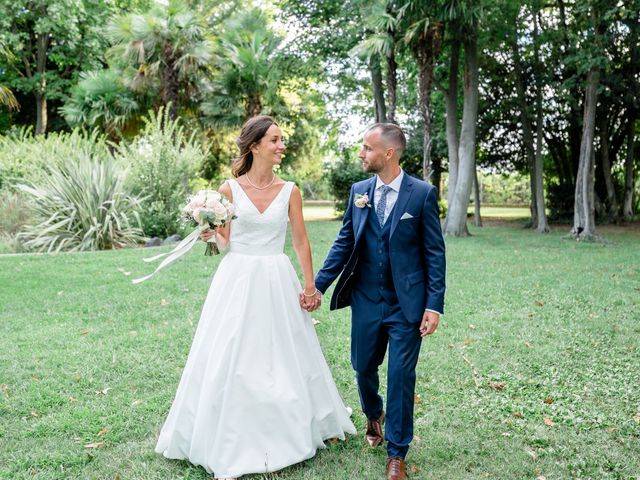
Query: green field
point(533, 373)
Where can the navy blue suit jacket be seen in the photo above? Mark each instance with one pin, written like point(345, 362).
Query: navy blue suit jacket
point(416, 249)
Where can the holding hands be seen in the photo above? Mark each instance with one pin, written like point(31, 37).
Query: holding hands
point(310, 299)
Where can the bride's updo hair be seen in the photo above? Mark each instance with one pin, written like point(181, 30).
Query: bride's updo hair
point(252, 132)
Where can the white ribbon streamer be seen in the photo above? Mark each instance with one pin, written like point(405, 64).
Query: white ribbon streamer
point(183, 247)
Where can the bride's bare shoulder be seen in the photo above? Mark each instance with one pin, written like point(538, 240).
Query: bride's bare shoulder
point(225, 189)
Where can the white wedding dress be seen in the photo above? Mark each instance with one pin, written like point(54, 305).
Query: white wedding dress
point(256, 394)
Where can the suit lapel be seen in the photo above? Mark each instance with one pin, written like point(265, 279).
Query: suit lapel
point(406, 188)
point(364, 212)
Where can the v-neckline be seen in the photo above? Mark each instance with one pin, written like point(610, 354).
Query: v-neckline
point(270, 203)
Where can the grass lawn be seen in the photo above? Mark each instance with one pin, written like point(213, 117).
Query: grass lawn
point(533, 373)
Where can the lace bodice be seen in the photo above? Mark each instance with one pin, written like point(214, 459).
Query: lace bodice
point(255, 233)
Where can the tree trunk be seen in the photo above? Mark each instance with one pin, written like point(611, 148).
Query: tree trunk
point(542, 226)
point(456, 223)
point(392, 84)
point(425, 52)
point(378, 91)
point(42, 41)
point(451, 105)
point(253, 106)
point(583, 217)
point(171, 82)
point(627, 207)
point(527, 129)
point(612, 205)
point(477, 219)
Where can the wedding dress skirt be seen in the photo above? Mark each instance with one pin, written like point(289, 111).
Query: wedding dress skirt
point(256, 394)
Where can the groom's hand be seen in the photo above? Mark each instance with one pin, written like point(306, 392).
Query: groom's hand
point(429, 323)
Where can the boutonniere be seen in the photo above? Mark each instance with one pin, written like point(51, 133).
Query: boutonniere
point(362, 200)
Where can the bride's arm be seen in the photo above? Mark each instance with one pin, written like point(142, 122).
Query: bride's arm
point(222, 234)
point(300, 240)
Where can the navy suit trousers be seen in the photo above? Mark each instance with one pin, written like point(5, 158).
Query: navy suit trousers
point(374, 327)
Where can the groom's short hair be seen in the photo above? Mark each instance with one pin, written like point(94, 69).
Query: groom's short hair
point(393, 134)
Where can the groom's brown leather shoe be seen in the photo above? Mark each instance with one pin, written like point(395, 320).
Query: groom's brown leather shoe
point(396, 469)
point(374, 433)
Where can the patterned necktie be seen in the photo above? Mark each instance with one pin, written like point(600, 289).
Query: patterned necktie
point(382, 204)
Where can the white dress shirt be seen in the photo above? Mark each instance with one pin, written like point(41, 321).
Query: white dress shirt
point(392, 195)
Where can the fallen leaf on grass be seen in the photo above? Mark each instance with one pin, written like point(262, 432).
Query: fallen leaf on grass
point(73, 399)
point(94, 445)
point(84, 332)
point(541, 477)
point(531, 314)
point(315, 322)
point(548, 422)
point(548, 400)
point(497, 386)
point(417, 399)
point(517, 415)
point(34, 414)
point(466, 341)
point(136, 402)
point(35, 379)
point(77, 378)
point(104, 391)
point(332, 441)
point(104, 431)
point(414, 469)
point(539, 303)
point(527, 344)
point(472, 326)
point(5, 389)
point(532, 454)
point(450, 345)
point(506, 434)
point(164, 302)
point(124, 272)
point(133, 332)
point(636, 418)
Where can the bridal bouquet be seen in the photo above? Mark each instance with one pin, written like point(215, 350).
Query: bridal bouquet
point(209, 209)
point(206, 209)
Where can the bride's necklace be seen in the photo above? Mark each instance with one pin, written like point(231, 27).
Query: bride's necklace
point(273, 178)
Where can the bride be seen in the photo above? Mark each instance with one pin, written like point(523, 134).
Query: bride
point(256, 394)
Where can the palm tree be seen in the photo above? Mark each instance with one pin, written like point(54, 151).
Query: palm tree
point(380, 41)
point(6, 95)
point(247, 71)
point(164, 49)
point(101, 100)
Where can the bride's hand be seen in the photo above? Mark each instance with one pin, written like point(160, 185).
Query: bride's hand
point(205, 235)
point(310, 302)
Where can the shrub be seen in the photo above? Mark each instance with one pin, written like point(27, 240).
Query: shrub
point(82, 204)
point(25, 158)
point(163, 162)
point(342, 175)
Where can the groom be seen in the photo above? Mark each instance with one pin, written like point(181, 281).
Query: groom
point(390, 257)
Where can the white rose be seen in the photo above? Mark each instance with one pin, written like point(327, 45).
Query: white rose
point(197, 214)
point(219, 211)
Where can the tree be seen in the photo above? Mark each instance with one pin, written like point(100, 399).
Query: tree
point(466, 17)
point(6, 95)
point(52, 41)
point(247, 71)
point(163, 49)
point(101, 100)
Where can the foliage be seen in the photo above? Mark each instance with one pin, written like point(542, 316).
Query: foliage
point(25, 157)
point(163, 50)
point(342, 174)
point(52, 42)
point(14, 215)
point(163, 162)
point(101, 100)
point(248, 70)
point(82, 203)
